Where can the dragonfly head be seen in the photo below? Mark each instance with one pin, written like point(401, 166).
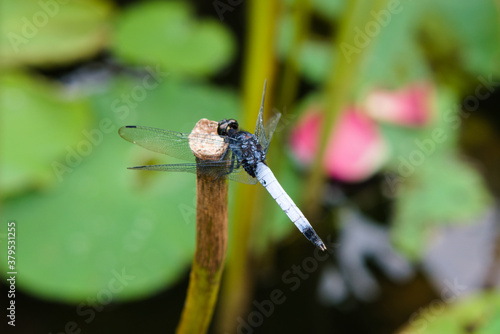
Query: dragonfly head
point(225, 125)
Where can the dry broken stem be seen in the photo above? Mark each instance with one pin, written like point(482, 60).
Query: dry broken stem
point(211, 238)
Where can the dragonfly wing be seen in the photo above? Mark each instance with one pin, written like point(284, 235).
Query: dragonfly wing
point(215, 169)
point(270, 127)
point(265, 133)
point(241, 176)
point(259, 126)
point(189, 168)
point(174, 144)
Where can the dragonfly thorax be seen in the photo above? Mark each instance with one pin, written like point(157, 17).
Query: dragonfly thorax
point(245, 146)
point(247, 149)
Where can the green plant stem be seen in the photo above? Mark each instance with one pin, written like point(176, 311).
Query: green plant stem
point(301, 15)
point(339, 88)
point(286, 95)
point(259, 65)
point(208, 263)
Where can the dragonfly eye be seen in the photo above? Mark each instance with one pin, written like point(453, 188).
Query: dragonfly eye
point(225, 125)
point(233, 124)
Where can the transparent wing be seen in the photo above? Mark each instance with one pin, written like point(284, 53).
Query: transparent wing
point(271, 125)
point(265, 134)
point(240, 175)
point(259, 126)
point(216, 169)
point(174, 144)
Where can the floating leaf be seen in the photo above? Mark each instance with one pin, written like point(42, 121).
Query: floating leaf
point(167, 34)
point(41, 122)
point(51, 32)
point(103, 221)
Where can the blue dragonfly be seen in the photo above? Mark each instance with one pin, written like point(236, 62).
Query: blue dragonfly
point(242, 158)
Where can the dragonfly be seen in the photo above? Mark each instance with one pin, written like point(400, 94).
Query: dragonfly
point(243, 158)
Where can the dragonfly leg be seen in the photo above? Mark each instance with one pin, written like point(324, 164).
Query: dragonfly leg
point(238, 163)
point(223, 157)
point(231, 167)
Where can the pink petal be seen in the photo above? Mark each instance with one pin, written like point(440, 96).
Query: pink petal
point(354, 152)
point(410, 106)
point(356, 149)
point(305, 136)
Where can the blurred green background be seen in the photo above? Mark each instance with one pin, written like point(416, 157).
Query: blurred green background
point(73, 72)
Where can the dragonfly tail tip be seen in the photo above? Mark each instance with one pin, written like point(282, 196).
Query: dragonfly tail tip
point(311, 235)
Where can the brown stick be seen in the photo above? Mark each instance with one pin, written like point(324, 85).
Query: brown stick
point(208, 262)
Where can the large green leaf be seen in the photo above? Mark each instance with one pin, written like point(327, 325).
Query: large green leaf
point(398, 45)
point(52, 32)
point(470, 30)
point(398, 42)
point(479, 314)
point(391, 54)
point(104, 221)
point(434, 187)
point(439, 190)
point(39, 122)
point(167, 34)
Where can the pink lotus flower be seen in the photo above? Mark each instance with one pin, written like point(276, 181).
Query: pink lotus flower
point(354, 152)
point(410, 106)
point(305, 136)
point(356, 149)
